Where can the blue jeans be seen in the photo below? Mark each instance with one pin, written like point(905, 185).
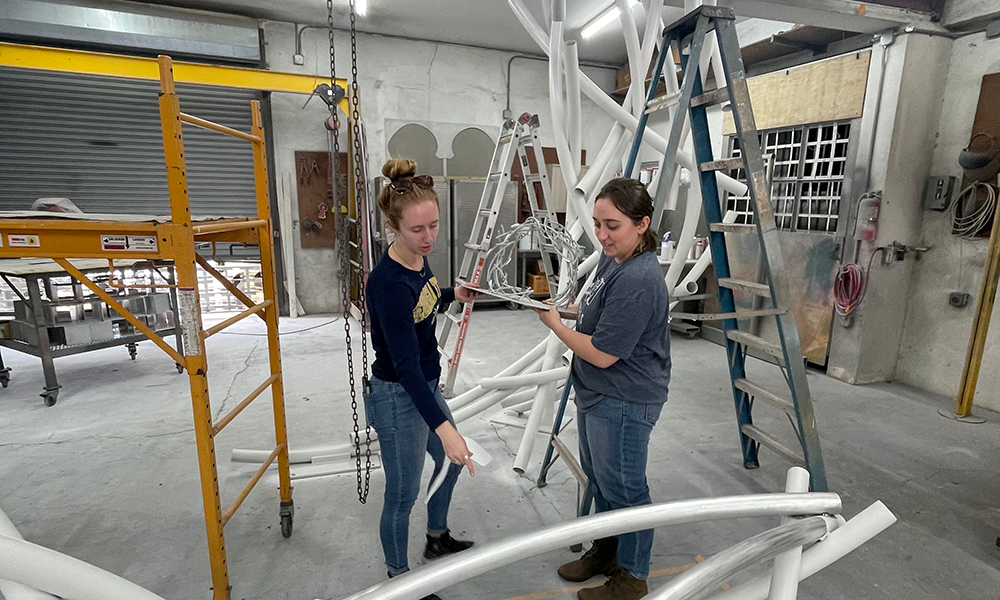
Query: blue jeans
point(403, 438)
point(614, 446)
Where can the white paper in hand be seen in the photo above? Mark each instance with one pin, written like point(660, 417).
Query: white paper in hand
point(479, 456)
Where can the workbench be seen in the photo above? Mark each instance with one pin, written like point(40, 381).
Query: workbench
point(38, 331)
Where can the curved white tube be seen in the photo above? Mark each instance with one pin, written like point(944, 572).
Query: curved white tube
point(50, 571)
point(482, 559)
point(785, 576)
point(692, 214)
point(636, 69)
point(515, 368)
point(593, 176)
point(12, 590)
point(520, 381)
point(697, 582)
point(699, 267)
point(495, 395)
point(608, 105)
point(574, 122)
point(589, 263)
point(856, 532)
point(518, 398)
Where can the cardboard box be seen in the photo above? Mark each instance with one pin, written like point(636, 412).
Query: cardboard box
point(539, 284)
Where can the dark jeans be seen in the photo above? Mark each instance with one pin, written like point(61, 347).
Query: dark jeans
point(404, 437)
point(614, 445)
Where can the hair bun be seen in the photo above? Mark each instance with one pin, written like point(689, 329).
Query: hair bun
point(396, 168)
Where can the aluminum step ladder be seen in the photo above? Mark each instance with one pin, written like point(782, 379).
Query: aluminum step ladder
point(689, 33)
point(516, 137)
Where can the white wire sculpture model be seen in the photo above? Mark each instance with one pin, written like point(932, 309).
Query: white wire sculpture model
point(503, 252)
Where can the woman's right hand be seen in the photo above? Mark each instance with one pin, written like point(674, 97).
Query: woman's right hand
point(454, 446)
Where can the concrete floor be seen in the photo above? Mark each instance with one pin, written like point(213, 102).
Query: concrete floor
point(109, 474)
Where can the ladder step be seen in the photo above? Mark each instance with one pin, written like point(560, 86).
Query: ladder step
point(444, 352)
point(534, 178)
point(752, 341)
point(485, 211)
point(732, 227)
point(453, 317)
point(713, 97)
point(726, 164)
point(505, 138)
point(740, 314)
point(662, 102)
point(772, 444)
point(761, 394)
point(759, 289)
point(474, 247)
point(495, 175)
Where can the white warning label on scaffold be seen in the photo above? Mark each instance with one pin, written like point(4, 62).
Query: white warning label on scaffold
point(133, 243)
point(23, 241)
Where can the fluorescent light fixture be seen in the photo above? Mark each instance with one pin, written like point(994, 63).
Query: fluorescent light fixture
point(603, 20)
point(360, 7)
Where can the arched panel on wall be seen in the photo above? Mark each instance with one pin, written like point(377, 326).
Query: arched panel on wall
point(472, 151)
point(417, 143)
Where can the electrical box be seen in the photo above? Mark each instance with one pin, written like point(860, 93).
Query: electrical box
point(939, 193)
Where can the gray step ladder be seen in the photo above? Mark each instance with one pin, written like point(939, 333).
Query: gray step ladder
point(689, 34)
point(516, 137)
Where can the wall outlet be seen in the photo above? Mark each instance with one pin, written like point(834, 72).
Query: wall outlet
point(939, 192)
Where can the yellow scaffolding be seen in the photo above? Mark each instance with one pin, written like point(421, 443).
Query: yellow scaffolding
point(61, 239)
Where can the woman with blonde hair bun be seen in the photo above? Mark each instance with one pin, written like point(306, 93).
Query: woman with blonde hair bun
point(403, 402)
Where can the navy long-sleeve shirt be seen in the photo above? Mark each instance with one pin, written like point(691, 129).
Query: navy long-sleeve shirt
point(403, 305)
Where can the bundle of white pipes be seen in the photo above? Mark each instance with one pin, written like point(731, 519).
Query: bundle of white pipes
point(566, 84)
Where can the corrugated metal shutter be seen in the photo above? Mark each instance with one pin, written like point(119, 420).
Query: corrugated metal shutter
point(96, 140)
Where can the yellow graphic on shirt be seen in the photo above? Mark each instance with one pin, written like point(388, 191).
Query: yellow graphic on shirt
point(428, 301)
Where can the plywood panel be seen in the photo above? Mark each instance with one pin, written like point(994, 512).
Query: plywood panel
point(317, 225)
point(827, 90)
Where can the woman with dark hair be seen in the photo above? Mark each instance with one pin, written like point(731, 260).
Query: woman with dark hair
point(404, 404)
point(621, 370)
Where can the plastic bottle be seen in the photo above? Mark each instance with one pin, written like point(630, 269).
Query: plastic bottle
point(667, 247)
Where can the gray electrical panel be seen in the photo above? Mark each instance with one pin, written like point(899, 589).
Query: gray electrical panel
point(939, 192)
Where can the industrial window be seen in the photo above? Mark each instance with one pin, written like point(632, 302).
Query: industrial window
point(809, 166)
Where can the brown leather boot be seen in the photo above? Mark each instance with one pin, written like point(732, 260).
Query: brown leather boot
point(619, 586)
point(601, 559)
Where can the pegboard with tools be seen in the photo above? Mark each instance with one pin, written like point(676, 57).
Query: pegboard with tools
point(317, 216)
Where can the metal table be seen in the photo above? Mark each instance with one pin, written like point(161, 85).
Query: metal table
point(39, 274)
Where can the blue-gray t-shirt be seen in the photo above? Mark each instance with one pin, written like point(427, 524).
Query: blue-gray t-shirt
point(625, 313)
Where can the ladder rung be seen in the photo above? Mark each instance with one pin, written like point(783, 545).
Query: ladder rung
point(752, 341)
point(505, 138)
point(533, 177)
point(693, 297)
point(714, 97)
point(761, 394)
point(772, 444)
point(745, 286)
point(740, 314)
point(662, 102)
point(444, 352)
point(453, 317)
point(726, 164)
point(495, 175)
point(485, 211)
point(732, 227)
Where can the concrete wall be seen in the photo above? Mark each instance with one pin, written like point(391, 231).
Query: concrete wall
point(910, 108)
point(936, 335)
point(400, 80)
point(968, 12)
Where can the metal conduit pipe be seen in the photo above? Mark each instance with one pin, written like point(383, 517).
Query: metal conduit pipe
point(699, 581)
point(482, 559)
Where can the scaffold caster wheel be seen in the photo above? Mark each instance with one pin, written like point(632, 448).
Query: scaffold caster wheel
point(179, 367)
point(50, 398)
point(132, 351)
point(286, 526)
point(5, 377)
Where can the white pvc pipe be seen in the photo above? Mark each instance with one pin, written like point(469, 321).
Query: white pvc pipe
point(518, 398)
point(520, 381)
point(494, 396)
point(785, 577)
point(11, 590)
point(521, 407)
point(636, 69)
point(482, 559)
point(864, 526)
point(608, 105)
point(692, 214)
point(699, 267)
point(50, 571)
point(546, 381)
point(589, 263)
point(574, 121)
point(515, 368)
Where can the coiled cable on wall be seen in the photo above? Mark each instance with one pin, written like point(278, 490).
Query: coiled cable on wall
point(851, 284)
point(970, 225)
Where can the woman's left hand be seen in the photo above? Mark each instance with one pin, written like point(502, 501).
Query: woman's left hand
point(550, 318)
point(465, 295)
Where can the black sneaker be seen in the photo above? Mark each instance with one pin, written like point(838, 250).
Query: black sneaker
point(431, 597)
point(444, 545)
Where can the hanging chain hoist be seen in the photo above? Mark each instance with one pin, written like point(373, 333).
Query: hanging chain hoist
point(345, 229)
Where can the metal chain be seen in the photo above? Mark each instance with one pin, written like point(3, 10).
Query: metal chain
point(362, 228)
point(343, 235)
